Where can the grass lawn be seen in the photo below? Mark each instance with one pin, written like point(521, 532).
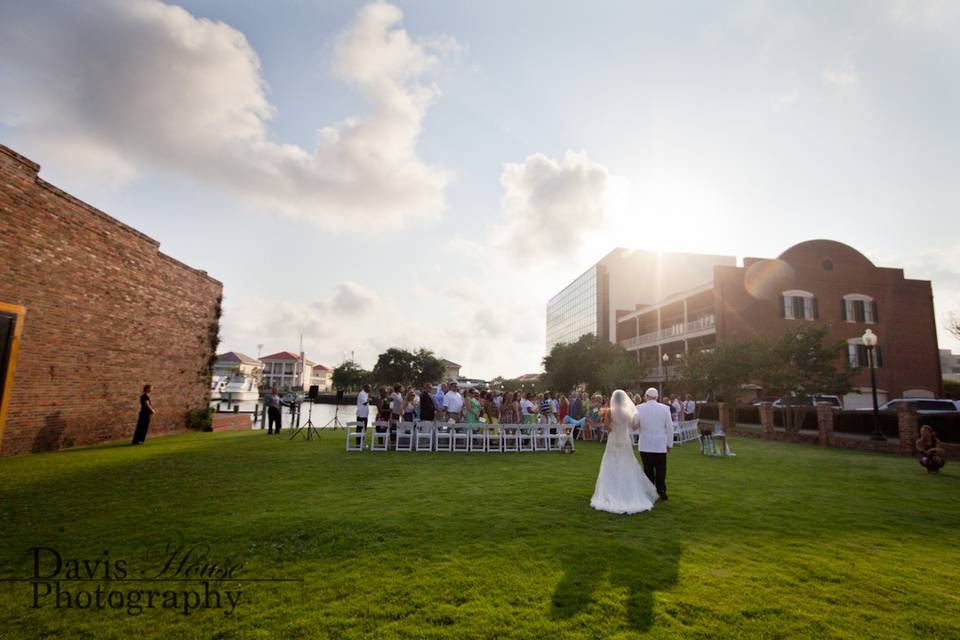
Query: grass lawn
point(781, 541)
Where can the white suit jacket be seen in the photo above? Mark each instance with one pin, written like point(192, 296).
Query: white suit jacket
point(656, 428)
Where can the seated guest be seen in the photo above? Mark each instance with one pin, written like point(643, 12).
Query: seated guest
point(929, 451)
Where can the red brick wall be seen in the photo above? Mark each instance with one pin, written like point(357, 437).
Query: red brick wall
point(106, 312)
point(905, 325)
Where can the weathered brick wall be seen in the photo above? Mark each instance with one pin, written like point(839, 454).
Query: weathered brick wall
point(106, 312)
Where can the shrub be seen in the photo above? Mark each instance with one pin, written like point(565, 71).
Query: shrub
point(200, 419)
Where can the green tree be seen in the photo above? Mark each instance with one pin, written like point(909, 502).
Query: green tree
point(800, 364)
point(406, 367)
point(718, 373)
point(349, 376)
point(583, 361)
point(429, 368)
point(623, 373)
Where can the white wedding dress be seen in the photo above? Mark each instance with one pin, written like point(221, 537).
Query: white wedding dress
point(622, 487)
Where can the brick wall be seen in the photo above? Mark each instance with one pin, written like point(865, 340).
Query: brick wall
point(106, 312)
point(747, 304)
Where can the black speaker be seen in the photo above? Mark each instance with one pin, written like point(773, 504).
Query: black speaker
point(314, 392)
point(339, 396)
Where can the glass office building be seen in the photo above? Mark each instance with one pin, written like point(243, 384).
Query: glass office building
point(578, 309)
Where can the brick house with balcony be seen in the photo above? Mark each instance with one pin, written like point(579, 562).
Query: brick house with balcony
point(819, 281)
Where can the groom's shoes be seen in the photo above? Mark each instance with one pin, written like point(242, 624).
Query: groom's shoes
point(663, 496)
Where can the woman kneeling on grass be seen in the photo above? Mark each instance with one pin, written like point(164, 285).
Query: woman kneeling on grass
point(929, 452)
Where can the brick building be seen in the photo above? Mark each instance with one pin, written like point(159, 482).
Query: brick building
point(90, 310)
point(818, 281)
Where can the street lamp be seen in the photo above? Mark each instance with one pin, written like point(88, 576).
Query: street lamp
point(666, 372)
point(870, 342)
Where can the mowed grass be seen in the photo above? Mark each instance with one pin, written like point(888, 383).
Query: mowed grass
point(781, 541)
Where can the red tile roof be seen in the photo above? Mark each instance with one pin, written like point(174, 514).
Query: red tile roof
point(320, 367)
point(236, 356)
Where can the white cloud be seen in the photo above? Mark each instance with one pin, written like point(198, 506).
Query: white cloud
point(843, 75)
point(549, 205)
point(138, 84)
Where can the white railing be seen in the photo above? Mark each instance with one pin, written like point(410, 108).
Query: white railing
point(703, 323)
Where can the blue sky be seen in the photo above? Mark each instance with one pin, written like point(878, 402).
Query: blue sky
point(429, 174)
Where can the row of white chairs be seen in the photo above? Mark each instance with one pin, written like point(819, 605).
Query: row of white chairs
point(461, 437)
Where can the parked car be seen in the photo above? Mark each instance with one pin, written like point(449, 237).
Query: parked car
point(924, 405)
point(810, 401)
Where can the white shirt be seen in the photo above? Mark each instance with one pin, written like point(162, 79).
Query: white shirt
point(453, 401)
point(527, 408)
point(689, 406)
point(363, 410)
point(655, 426)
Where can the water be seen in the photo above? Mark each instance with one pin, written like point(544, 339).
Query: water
point(322, 415)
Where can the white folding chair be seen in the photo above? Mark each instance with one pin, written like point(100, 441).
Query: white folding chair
point(461, 436)
point(478, 437)
point(493, 437)
point(381, 436)
point(526, 436)
point(443, 436)
point(424, 436)
point(405, 435)
point(541, 440)
point(355, 439)
point(509, 434)
point(555, 436)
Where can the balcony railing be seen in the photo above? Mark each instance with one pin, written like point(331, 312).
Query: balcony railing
point(704, 323)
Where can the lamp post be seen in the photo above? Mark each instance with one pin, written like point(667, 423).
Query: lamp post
point(870, 342)
point(666, 373)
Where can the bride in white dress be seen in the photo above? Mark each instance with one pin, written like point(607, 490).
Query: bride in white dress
point(622, 486)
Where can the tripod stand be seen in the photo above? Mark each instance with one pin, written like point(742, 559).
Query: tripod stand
point(334, 422)
point(310, 429)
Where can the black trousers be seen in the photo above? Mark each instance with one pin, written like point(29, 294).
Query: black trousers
point(655, 467)
point(361, 424)
point(273, 418)
point(143, 425)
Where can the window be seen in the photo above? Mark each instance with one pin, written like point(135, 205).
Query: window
point(857, 354)
point(798, 305)
point(857, 307)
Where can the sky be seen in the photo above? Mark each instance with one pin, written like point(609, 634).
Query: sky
point(429, 174)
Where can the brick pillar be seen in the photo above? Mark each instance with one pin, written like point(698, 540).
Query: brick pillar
point(825, 423)
point(908, 425)
point(727, 416)
point(766, 419)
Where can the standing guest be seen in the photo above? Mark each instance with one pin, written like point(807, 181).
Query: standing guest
point(509, 411)
point(396, 404)
point(363, 408)
point(563, 408)
point(491, 408)
point(528, 410)
point(453, 402)
point(472, 408)
point(438, 401)
point(143, 419)
point(498, 399)
point(428, 409)
point(408, 408)
point(383, 407)
point(676, 409)
point(689, 408)
point(547, 414)
point(273, 404)
point(575, 408)
point(929, 451)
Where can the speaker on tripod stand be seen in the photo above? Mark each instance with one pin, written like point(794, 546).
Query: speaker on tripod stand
point(335, 420)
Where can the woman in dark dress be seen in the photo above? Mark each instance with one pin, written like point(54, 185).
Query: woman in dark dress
point(143, 420)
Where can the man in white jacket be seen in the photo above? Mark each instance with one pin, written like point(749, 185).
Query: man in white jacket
point(656, 439)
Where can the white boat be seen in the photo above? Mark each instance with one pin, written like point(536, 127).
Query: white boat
point(217, 385)
point(237, 393)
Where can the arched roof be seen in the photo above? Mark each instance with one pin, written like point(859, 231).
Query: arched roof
point(818, 251)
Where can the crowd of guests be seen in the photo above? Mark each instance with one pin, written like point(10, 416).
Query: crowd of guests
point(447, 403)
